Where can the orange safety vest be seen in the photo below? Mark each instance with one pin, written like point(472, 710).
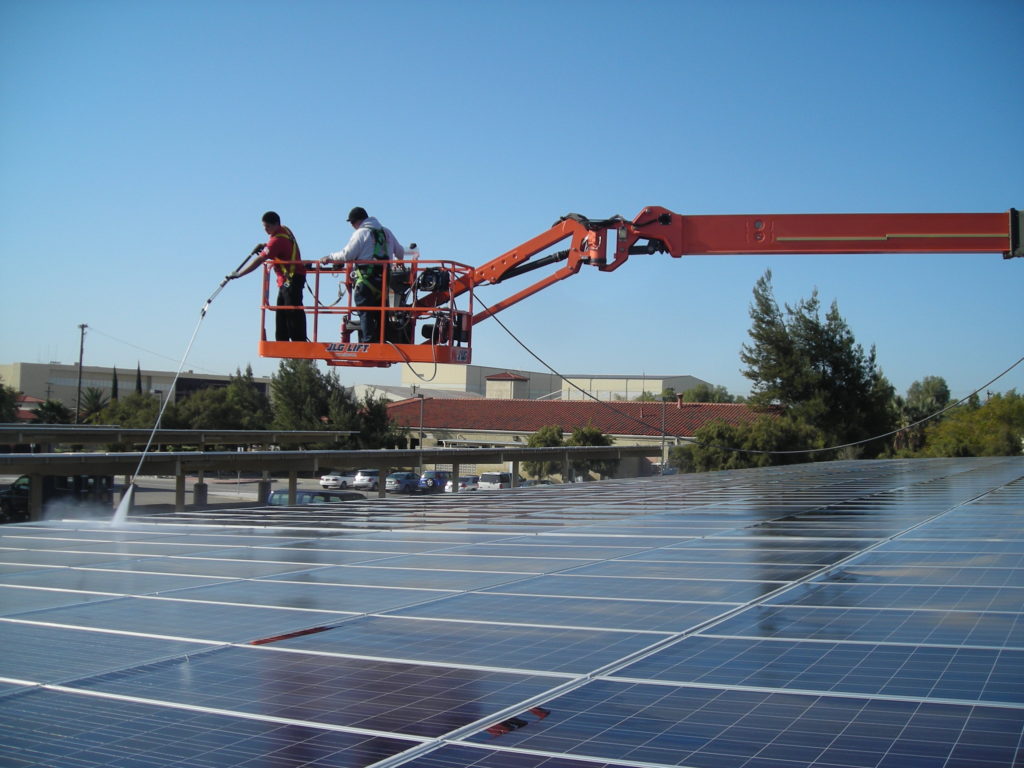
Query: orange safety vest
point(288, 271)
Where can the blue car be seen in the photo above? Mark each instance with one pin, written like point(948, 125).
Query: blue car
point(434, 480)
point(402, 482)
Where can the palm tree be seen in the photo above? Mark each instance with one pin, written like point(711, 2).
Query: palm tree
point(54, 412)
point(93, 401)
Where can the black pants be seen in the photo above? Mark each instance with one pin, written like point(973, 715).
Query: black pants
point(291, 323)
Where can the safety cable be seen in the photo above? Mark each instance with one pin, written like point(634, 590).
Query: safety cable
point(661, 431)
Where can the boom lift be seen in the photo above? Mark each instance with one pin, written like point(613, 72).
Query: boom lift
point(436, 297)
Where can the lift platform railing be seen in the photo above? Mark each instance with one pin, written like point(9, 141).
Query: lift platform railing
point(421, 318)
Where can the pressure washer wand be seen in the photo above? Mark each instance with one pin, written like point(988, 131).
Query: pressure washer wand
point(121, 513)
point(225, 281)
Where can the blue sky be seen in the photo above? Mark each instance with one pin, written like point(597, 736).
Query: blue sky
point(141, 141)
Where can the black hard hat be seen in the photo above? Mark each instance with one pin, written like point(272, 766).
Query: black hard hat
point(357, 214)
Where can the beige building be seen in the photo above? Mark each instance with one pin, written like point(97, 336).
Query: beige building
point(60, 382)
point(506, 383)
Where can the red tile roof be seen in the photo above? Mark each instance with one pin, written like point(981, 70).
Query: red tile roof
point(618, 417)
point(506, 376)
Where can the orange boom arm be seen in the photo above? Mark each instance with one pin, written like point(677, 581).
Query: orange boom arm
point(434, 305)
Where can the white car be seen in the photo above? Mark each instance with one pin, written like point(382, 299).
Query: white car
point(338, 480)
point(367, 480)
point(495, 481)
point(466, 483)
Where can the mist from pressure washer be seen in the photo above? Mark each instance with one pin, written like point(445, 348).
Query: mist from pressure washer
point(120, 516)
point(67, 510)
point(121, 513)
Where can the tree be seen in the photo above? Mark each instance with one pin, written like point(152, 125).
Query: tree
point(208, 408)
point(993, 429)
point(8, 403)
point(94, 402)
point(305, 398)
point(924, 398)
point(54, 412)
point(815, 369)
point(591, 435)
point(248, 401)
point(760, 443)
point(300, 395)
point(113, 385)
point(370, 417)
point(138, 379)
point(136, 412)
point(545, 437)
point(927, 396)
point(707, 393)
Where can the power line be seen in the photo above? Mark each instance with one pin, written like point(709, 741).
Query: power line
point(142, 349)
point(807, 451)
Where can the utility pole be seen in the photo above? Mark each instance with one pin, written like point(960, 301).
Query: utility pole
point(81, 351)
point(420, 396)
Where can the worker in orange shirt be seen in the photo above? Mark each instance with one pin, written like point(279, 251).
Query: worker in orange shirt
point(282, 249)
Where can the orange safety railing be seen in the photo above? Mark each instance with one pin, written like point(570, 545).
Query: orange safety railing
point(421, 318)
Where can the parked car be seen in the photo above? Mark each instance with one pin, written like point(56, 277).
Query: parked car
point(494, 481)
point(367, 480)
point(67, 489)
point(433, 480)
point(280, 498)
point(402, 482)
point(535, 484)
point(338, 480)
point(466, 483)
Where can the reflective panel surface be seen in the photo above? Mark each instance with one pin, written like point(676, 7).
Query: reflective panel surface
point(846, 614)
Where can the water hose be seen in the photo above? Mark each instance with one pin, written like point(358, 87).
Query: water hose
point(121, 513)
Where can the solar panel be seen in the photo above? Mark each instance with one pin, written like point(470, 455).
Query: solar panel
point(845, 614)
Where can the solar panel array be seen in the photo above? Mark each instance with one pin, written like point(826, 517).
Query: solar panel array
point(848, 614)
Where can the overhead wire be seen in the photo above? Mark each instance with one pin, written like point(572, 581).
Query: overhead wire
point(94, 329)
point(661, 431)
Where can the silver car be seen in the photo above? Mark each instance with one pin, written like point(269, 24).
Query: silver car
point(466, 483)
point(337, 480)
point(367, 480)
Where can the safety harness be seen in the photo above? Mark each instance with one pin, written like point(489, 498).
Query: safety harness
point(369, 275)
point(288, 271)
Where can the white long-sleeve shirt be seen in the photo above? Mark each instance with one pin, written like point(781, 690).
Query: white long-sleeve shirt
point(360, 245)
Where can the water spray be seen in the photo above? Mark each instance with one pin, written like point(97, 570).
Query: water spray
point(121, 513)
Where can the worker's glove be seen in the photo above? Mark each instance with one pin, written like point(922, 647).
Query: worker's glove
point(257, 248)
point(232, 276)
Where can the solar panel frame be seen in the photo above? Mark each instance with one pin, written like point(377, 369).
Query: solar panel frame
point(851, 613)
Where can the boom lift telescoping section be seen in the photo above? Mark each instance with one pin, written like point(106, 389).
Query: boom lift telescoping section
point(426, 295)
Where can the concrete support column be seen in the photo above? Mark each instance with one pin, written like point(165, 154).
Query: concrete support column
point(455, 477)
point(263, 488)
point(35, 498)
point(179, 488)
point(200, 491)
point(293, 487)
point(515, 473)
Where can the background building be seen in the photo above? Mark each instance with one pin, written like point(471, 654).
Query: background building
point(534, 385)
point(60, 382)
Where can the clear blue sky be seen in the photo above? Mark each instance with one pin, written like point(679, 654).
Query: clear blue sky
point(141, 141)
